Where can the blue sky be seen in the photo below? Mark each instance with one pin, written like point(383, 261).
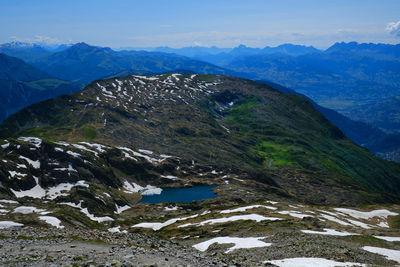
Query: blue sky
point(180, 23)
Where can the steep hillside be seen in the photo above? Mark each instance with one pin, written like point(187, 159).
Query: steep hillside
point(12, 68)
point(233, 125)
point(22, 85)
point(383, 144)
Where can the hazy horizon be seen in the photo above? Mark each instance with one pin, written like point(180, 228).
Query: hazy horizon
point(179, 23)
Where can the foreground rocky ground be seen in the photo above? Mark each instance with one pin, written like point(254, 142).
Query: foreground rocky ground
point(74, 247)
point(214, 232)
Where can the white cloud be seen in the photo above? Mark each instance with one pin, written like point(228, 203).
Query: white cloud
point(394, 28)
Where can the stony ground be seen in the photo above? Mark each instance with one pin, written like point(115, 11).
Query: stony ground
point(74, 247)
point(164, 234)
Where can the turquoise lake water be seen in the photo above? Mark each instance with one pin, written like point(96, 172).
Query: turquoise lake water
point(185, 195)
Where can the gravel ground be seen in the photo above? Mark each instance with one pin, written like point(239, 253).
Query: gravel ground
point(48, 247)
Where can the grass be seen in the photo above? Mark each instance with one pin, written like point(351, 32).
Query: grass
point(275, 154)
point(47, 84)
point(367, 240)
point(394, 221)
point(89, 133)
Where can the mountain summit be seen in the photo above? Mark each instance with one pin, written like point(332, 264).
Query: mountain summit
point(232, 125)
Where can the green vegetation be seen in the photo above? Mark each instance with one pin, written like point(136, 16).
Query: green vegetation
point(246, 127)
point(47, 84)
point(89, 133)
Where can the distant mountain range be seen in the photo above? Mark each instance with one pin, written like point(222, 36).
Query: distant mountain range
point(337, 78)
point(22, 85)
point(84, 63)
point(206, 53)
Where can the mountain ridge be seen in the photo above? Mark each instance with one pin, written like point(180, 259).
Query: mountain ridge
point(232, 123)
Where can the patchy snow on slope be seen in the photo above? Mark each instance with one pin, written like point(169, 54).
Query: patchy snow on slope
point(239, 242)
point(360, 224)
point(100, 148)
point(69, 169)
point(148, 152)
point(390, 254)
point(334, 219)
point(171, 208)
point(367, 214)
point(9, 224)
point(86, 212)
point(121, 209)
point(251, 217)
point(52, 221)
point(328, 232)
point(157, 225)
point(144, 191)
point(8, 201)
point(4, 146)
point(383, 224)
point(94, 218)
point(62, 189)
point(241, 209)
point(33, 140)
point(2, 211)
point(35, 192)
point(29, 209)
point(117, 230)
point(389, 238)
point(74, 154)
point(34, 163)
point(18, 175)
point(84, 148)
point(308, 262)
point(170, 177)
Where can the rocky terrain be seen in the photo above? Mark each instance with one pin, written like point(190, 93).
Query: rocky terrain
point(289, 185)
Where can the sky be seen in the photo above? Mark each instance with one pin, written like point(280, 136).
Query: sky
point(178, 23)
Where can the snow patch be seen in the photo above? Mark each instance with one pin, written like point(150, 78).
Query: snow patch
point(9, 224)
point(252, 217)
point(307, 262)
point(121, 209)
point(35, 192)
point(33, 140)
point(117, 230)
point(367, 214)
point(239, 242)
point(389, 238)
point(29, 209)
point(144, 191)
point(329, 232)
point(241, 209)
point(390, 254)
point(34, 163)
point(52, 221)
point(157, 225)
